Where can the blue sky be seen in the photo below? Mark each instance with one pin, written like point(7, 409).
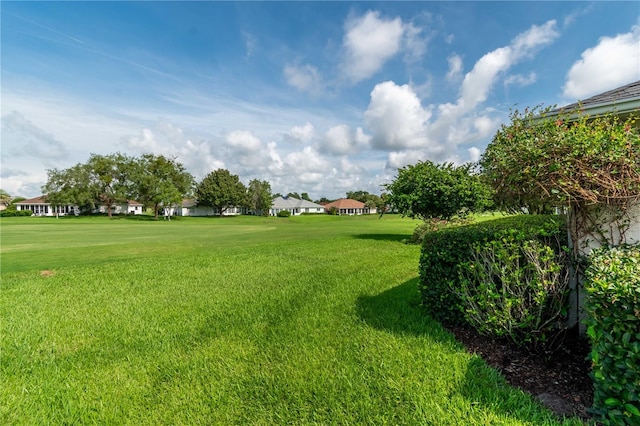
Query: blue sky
point(317, 97)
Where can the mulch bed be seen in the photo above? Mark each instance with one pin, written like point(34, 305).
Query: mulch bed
point(560, 380)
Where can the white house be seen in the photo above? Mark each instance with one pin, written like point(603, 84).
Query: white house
point(39, 206)
point(294, 206)
point(190, 207)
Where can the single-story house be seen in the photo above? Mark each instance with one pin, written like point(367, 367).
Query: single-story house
point(622, 101)
point(294, 206)
point(39, 206)
point(349, 207)
point(190, 207)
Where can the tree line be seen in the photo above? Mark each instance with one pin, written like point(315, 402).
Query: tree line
point(159, 182)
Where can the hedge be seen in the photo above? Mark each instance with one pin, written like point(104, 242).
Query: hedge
point(11, 213)
point(613, 323)
point(443, 252)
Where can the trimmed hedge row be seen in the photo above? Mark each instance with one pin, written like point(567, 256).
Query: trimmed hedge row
point(613, 319)
point(12, 213)
point(445, 250)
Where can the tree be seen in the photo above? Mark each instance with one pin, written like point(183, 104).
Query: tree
point(259, 196)
point(294, 195)
point(102, 180)
point(305, 196)
point(111, 176)
point(323, 200)
point(427, 190)
point(161, 182)
point(221, 190)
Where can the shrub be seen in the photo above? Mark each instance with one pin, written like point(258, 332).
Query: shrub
point(613, 319)
point(12, 213)
point(434, 224)
point(284, 213)
point(516, 287)
point(443, 251)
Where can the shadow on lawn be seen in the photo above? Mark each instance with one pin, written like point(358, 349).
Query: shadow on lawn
point(382, 237)
point(398, 311)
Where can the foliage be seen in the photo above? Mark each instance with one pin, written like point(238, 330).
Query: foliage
point(613, 319)
point(221, 190)
point(517, 288)
point(541, 159)
point(428, 190)
point(284, 213)
point(445, 250)
point(427, 226)
point(102, 180)
point(160, 181)
point(13, 212)
point(333, 211)
point(259, 196)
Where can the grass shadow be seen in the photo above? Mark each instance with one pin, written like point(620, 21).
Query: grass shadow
point(383, 237)
point(397, 310)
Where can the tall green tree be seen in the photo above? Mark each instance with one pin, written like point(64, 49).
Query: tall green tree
point(294, 195)
point(305, 196)
point(427, 190)
point(161, 182)
point(259, 196)
point(221, 190)
point(103, 180)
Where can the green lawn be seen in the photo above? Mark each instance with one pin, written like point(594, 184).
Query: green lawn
point(306, 320)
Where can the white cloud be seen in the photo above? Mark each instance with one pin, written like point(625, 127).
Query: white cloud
point(474, 154)
point(414, 43)
point(22, 138)
point(521, 80)
point(369, 42)
point(396, 117)
point(455, 67)
point(306, 77)
point(613, 62)
point(340, 140)
point(302, 133)
point(143, 143)
point(399, 159)
point(479, 81)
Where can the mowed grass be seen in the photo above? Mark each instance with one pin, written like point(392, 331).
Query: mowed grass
point(261, 321)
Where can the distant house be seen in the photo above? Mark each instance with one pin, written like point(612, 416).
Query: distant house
point(39, 206)
point(347, 206)
point(294, 206)
point(190, 207)
point(130, 207)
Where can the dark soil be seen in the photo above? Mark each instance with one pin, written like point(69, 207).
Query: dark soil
point(559, 380)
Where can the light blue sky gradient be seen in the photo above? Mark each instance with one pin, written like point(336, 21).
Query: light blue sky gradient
point(317, 97)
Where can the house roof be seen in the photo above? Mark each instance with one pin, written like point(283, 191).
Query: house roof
point(345, 203)
point(36, 200)
point(292, 203)
point(623, 99)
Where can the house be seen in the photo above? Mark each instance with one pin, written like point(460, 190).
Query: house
point(349, 207)
point(608, 224)
point(41, 207)
point(623, 102)
point(130, 207)
point(190, 207)
point(294, 206)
